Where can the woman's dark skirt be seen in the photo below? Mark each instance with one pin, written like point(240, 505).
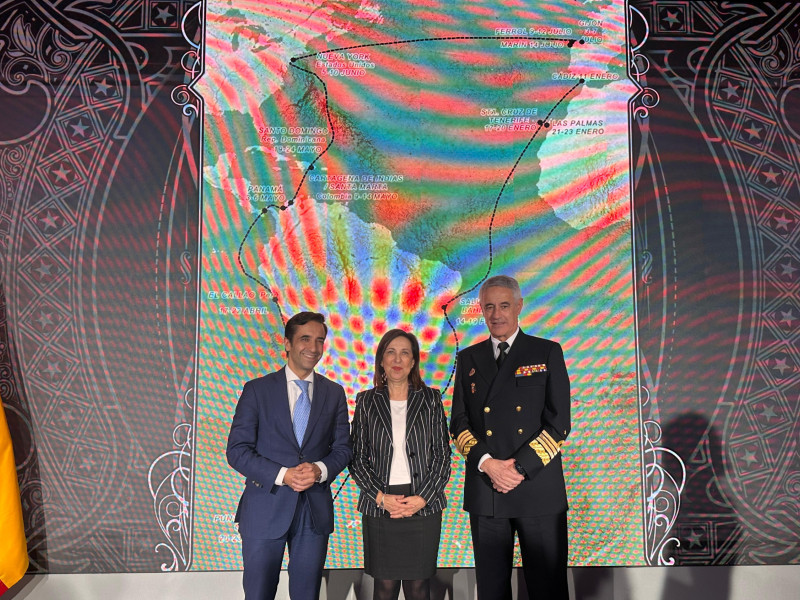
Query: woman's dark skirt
point(401, 548)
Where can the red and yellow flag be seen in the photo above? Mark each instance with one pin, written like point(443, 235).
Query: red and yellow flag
point(13, 551)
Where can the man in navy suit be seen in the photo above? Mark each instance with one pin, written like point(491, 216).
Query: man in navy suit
point(511, 414)
point(290, 437)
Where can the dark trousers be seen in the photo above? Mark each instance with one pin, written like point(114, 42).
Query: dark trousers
point(543, 544)
point(307, 551)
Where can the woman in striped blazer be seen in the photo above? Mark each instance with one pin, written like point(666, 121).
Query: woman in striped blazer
point(401, 462)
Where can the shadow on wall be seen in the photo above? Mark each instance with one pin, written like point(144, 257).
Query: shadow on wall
point(598, 583)
point(703, 583)
point(707, 527)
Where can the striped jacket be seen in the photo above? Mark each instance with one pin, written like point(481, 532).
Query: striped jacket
point(427, 448)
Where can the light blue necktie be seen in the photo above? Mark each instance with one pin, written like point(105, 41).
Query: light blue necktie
point(301, 411)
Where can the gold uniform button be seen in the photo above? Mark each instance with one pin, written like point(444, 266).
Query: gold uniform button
point(519, 408)
point(489, 432)
point(487, 409)
point(519, 431)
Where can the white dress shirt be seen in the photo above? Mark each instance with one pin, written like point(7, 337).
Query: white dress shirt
point(509, 341)
point(293, 391)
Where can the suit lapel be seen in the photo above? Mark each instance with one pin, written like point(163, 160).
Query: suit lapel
point(381, 401)
point(484, 360)
point(318, 399)
point(281, 402)
point(416, 399)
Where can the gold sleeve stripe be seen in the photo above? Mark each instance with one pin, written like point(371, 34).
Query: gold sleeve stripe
point(550, 437)
point(462, 440)
point(549, 443)
point(465, 441)
point(468, 446)
point(462, 437)
point(540, 452)
point(546, 447)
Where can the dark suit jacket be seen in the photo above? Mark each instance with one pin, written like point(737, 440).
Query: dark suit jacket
point(262, 440)
point(427, 448)
point(520, 412)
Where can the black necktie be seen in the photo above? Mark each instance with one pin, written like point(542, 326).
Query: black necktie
point(502, 347)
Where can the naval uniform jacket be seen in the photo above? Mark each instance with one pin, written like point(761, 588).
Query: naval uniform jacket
point(520, 412)
point(427, 448)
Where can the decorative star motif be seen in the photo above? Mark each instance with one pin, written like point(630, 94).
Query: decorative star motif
point(43, 269)
point(79, 129)
point(781, 365)
point(694, 538)
point(53, 369)
point(672, 18)
point(787, 317)
point(731, 90)
point(782, 222)
point(749, 457)
point(87, 462)
point(66, 416)
point(788, 269)
point(771, 176)
point(49, 221)
point(102, 87)
point(62, 173)
point(769, 412)
point(164, 15)
point(45, 319)
point(753, 131)
point(143, 545)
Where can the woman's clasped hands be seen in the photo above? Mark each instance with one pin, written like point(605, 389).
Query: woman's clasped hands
point(399, 507)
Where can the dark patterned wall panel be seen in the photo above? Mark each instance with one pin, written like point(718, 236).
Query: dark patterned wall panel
point(99, 159)
point(717, 206)
point(99, 239)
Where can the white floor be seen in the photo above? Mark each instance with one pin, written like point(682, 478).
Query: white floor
point(677, 583)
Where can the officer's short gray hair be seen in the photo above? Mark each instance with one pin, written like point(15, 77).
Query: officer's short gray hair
point(502, 281)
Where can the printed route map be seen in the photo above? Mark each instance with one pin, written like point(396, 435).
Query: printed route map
point(376, 161)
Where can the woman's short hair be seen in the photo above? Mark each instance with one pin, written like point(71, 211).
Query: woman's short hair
point(414, 378)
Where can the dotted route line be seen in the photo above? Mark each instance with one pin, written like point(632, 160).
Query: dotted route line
point(273, 295)
point(543, 124)
point(570, 42)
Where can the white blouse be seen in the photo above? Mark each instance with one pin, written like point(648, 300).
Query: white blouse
point(398, 472)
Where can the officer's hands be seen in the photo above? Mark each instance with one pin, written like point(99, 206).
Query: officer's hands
point(503, 474)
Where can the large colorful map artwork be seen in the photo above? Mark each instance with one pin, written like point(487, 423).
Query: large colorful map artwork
point(376, 161)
